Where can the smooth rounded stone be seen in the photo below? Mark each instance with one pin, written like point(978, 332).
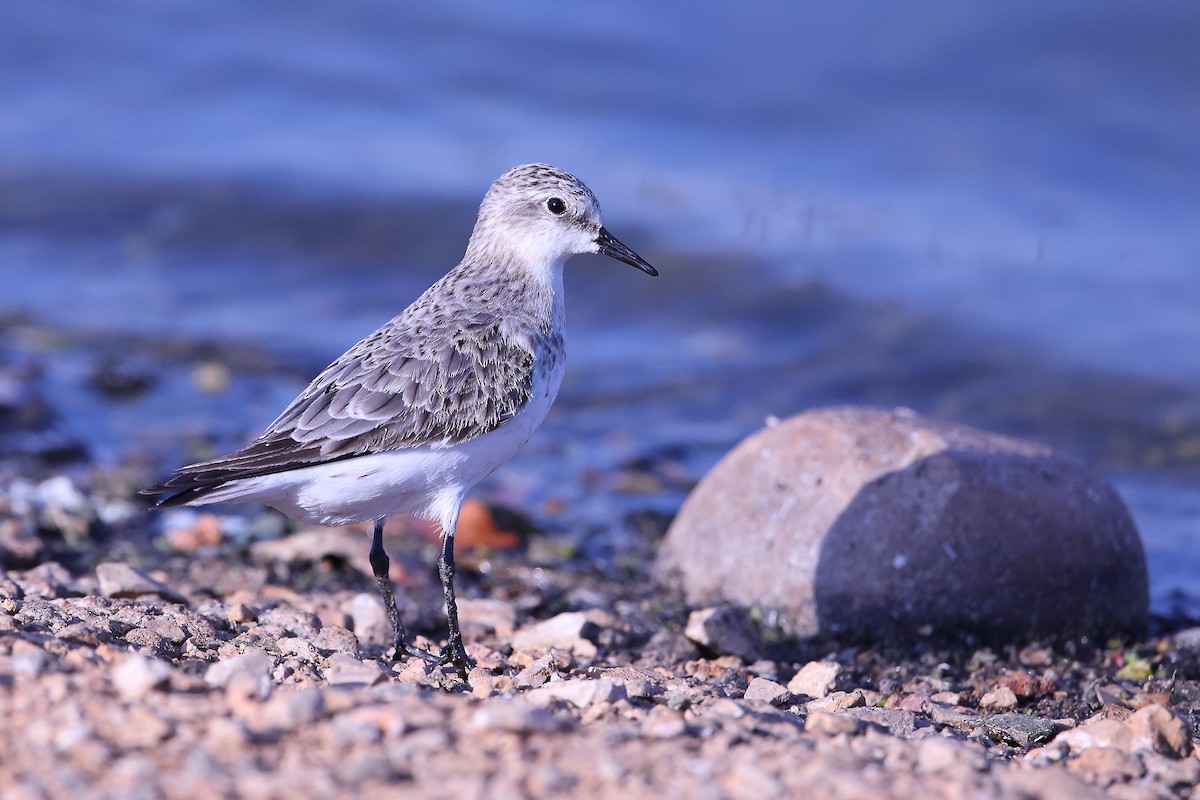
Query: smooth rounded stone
point(882, 523)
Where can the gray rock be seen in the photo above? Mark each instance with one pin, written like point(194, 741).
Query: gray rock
point(289, 709)
point(336, 639)
point(121, 580)
point(568, 631)
point(767, 691)
point(254, 663)
point(346, 670)
point(579, 693)
point(1020, 730)
point(865, 521)
point(725, 630)
point(137, 675)
point(517, 716)
point(815, 679)
point(897, 721)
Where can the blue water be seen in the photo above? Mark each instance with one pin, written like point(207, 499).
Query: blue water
point(1023, 173)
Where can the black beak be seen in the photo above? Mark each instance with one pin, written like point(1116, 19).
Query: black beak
point(608, 245)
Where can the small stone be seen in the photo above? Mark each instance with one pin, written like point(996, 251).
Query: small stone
point(30, 660)
point(725, 630)
point(567, 631)
point(288, 710)
point(240, 613)
point(335, 638)
point(815, 679)
point(579, 693)
point(169, 629)
point(946, 698)
point(1157, 729)
point(346, 670)
point(484, 683)
point(1107, 765)
point(121, 580)
point(896, 721)
point(831, 724)
point(936, 755)
point(293, 620)
point(837, 701)
point(297, 647)
point(1002, 699)
point(489, 614)
point(767, 691)
point(1023, 684)
point(256, 664)
point(1098, 732)
point(663, 723)
point(516, 716)
point(137, 675)
point(1020, 730)
point(368, 618)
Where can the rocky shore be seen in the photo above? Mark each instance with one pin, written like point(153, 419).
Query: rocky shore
point(192, 655)
point(223, 665)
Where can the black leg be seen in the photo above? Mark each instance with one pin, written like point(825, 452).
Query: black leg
point(379, 565)
point(455, 652)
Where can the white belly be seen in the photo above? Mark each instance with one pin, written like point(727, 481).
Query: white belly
point(428, 481)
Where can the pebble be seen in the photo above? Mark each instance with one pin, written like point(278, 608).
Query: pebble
point(1021, 730)
point(1000, 699)
point(1158, 730)
point(345, 670)
point(495, 616)
point(832, 724)
point(336, 639)
point(136, 675)
point(571, 631)
point(517, 716)
point(767, 691)
point(579, 693)
point(288, 709)
point(118, 579)
point(837, 701)
point(725, 630)
point(255, 664)
point(815, 679)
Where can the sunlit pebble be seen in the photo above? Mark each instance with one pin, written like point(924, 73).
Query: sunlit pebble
point(60, 492)
point(113, 512)
point(204, 532)
point(211, 376)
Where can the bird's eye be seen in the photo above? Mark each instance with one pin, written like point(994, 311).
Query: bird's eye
point(556, 205)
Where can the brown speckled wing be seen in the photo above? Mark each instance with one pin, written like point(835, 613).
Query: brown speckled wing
point(420, 379)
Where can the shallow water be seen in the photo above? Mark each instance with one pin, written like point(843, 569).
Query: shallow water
point(985, 213)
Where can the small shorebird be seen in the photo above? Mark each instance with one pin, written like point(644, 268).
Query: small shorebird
point(414, 415)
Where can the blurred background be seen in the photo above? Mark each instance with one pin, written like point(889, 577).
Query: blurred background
point(985, 212)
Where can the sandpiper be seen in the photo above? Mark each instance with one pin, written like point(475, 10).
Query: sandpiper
point(414, 415)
